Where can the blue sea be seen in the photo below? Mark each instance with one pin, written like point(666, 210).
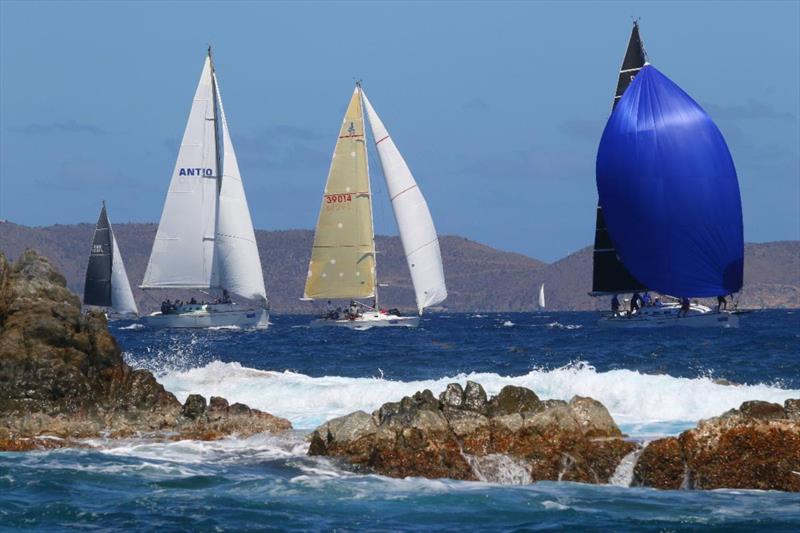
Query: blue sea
point(654, 383)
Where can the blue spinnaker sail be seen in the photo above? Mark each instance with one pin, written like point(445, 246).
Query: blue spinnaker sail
point(669, 192)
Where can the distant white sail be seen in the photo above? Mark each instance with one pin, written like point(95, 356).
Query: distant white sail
point(122, 300)
point(417, 232)
point(183, 251)
point(237, 257)
point(541, 296)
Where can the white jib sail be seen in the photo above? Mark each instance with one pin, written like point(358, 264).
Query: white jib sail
point(122, 300)
point(183, 251)
point(541, 296)
point(237, 258)
point(417, 232)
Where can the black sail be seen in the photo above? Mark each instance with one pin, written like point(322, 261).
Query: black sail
point(609, 274)
point(97, 289)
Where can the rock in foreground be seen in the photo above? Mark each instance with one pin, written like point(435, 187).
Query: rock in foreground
point(462, 435)
point(62, 374)
point(754, 447)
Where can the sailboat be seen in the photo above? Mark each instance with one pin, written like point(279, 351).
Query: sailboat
point(669, 215)
point(107, 282)
point(205, 238)
point(541, 296)
point(343, 257)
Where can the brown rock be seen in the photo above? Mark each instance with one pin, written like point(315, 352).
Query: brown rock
point(512, 399)
point(62, 373)
point(660, 465)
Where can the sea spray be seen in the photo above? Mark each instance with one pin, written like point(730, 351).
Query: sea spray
point(635, 400)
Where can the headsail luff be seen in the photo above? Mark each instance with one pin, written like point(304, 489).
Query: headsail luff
point(237, 258)
point(417, 232)
point(343, 255)
point(122, 300)
point(97, 286)
point(609, 274)
point(183, 251)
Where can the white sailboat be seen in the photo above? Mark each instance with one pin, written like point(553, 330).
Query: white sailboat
point(541, 296)
point(205, 238)
point(107, 282)
point(343, 264)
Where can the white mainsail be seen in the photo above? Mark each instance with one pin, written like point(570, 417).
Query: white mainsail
point(183, 251)
point(122, 300)
point(541, 296)
point(237, 256)
point(417, 232)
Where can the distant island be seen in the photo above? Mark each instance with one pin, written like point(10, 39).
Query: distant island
point(479, 278)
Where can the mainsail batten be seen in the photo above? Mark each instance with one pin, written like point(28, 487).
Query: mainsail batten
point(609, 275)
point(414, 221)
point(183, 250)
point(343, 254)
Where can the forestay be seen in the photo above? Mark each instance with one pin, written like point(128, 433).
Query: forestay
point(183, 251)
point(414, 221)
point(669, 191)
point(343, 255)
point(237, 256)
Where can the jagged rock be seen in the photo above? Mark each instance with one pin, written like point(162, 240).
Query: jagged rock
point(762, 410)
point(194, 406)
point(452, 396)
point(512, 399)
point(62, 373)
point(755, 447)
point(792, 409)
point(593, 417)
point(474, 397)
point(453, 437)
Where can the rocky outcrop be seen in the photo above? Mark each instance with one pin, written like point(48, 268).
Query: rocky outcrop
point(756, 447)
point(464, 435)
point(62, 374)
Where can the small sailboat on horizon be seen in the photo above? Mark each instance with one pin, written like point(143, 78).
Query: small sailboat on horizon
point(541, 296)
point(343, 256)
point(205, 238)
point(669, 215)
point(106, 283)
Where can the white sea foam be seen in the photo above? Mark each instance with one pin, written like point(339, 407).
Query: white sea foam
point(135, 325)
point(643, 404)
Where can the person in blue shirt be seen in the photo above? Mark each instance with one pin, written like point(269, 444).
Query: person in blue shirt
point(646, 301)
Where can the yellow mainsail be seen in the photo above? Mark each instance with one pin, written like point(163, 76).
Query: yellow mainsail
point(343, 256)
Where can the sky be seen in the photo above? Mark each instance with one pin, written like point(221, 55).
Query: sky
point(497, 107)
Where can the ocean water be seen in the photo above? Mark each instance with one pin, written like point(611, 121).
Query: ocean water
point(654, 383)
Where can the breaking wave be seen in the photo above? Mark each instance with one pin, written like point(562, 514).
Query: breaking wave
point(643, 404)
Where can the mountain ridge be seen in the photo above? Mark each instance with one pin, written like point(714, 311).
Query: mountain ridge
point(479, 277)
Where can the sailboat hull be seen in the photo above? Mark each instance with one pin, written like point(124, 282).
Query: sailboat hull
point(699, 316)
point(368, 321)
point(211, 316)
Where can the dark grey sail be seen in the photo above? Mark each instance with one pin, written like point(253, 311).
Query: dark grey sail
point(609, 274)
point(97, 289)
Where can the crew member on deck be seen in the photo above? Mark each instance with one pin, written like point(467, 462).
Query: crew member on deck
point(722, 303)
point(615, 305)
point(685, 305)
point(635, 302)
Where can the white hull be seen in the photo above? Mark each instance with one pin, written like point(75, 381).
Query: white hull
point(210, 316)
point(368, 320)
point(699, 316)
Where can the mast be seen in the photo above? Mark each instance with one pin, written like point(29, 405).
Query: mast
point(609, 273)
point(219, 172)
point(375, 300)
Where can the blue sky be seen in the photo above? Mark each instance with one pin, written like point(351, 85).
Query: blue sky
point(497, 107)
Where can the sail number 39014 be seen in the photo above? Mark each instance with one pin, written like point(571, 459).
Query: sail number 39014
point(338, 198)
